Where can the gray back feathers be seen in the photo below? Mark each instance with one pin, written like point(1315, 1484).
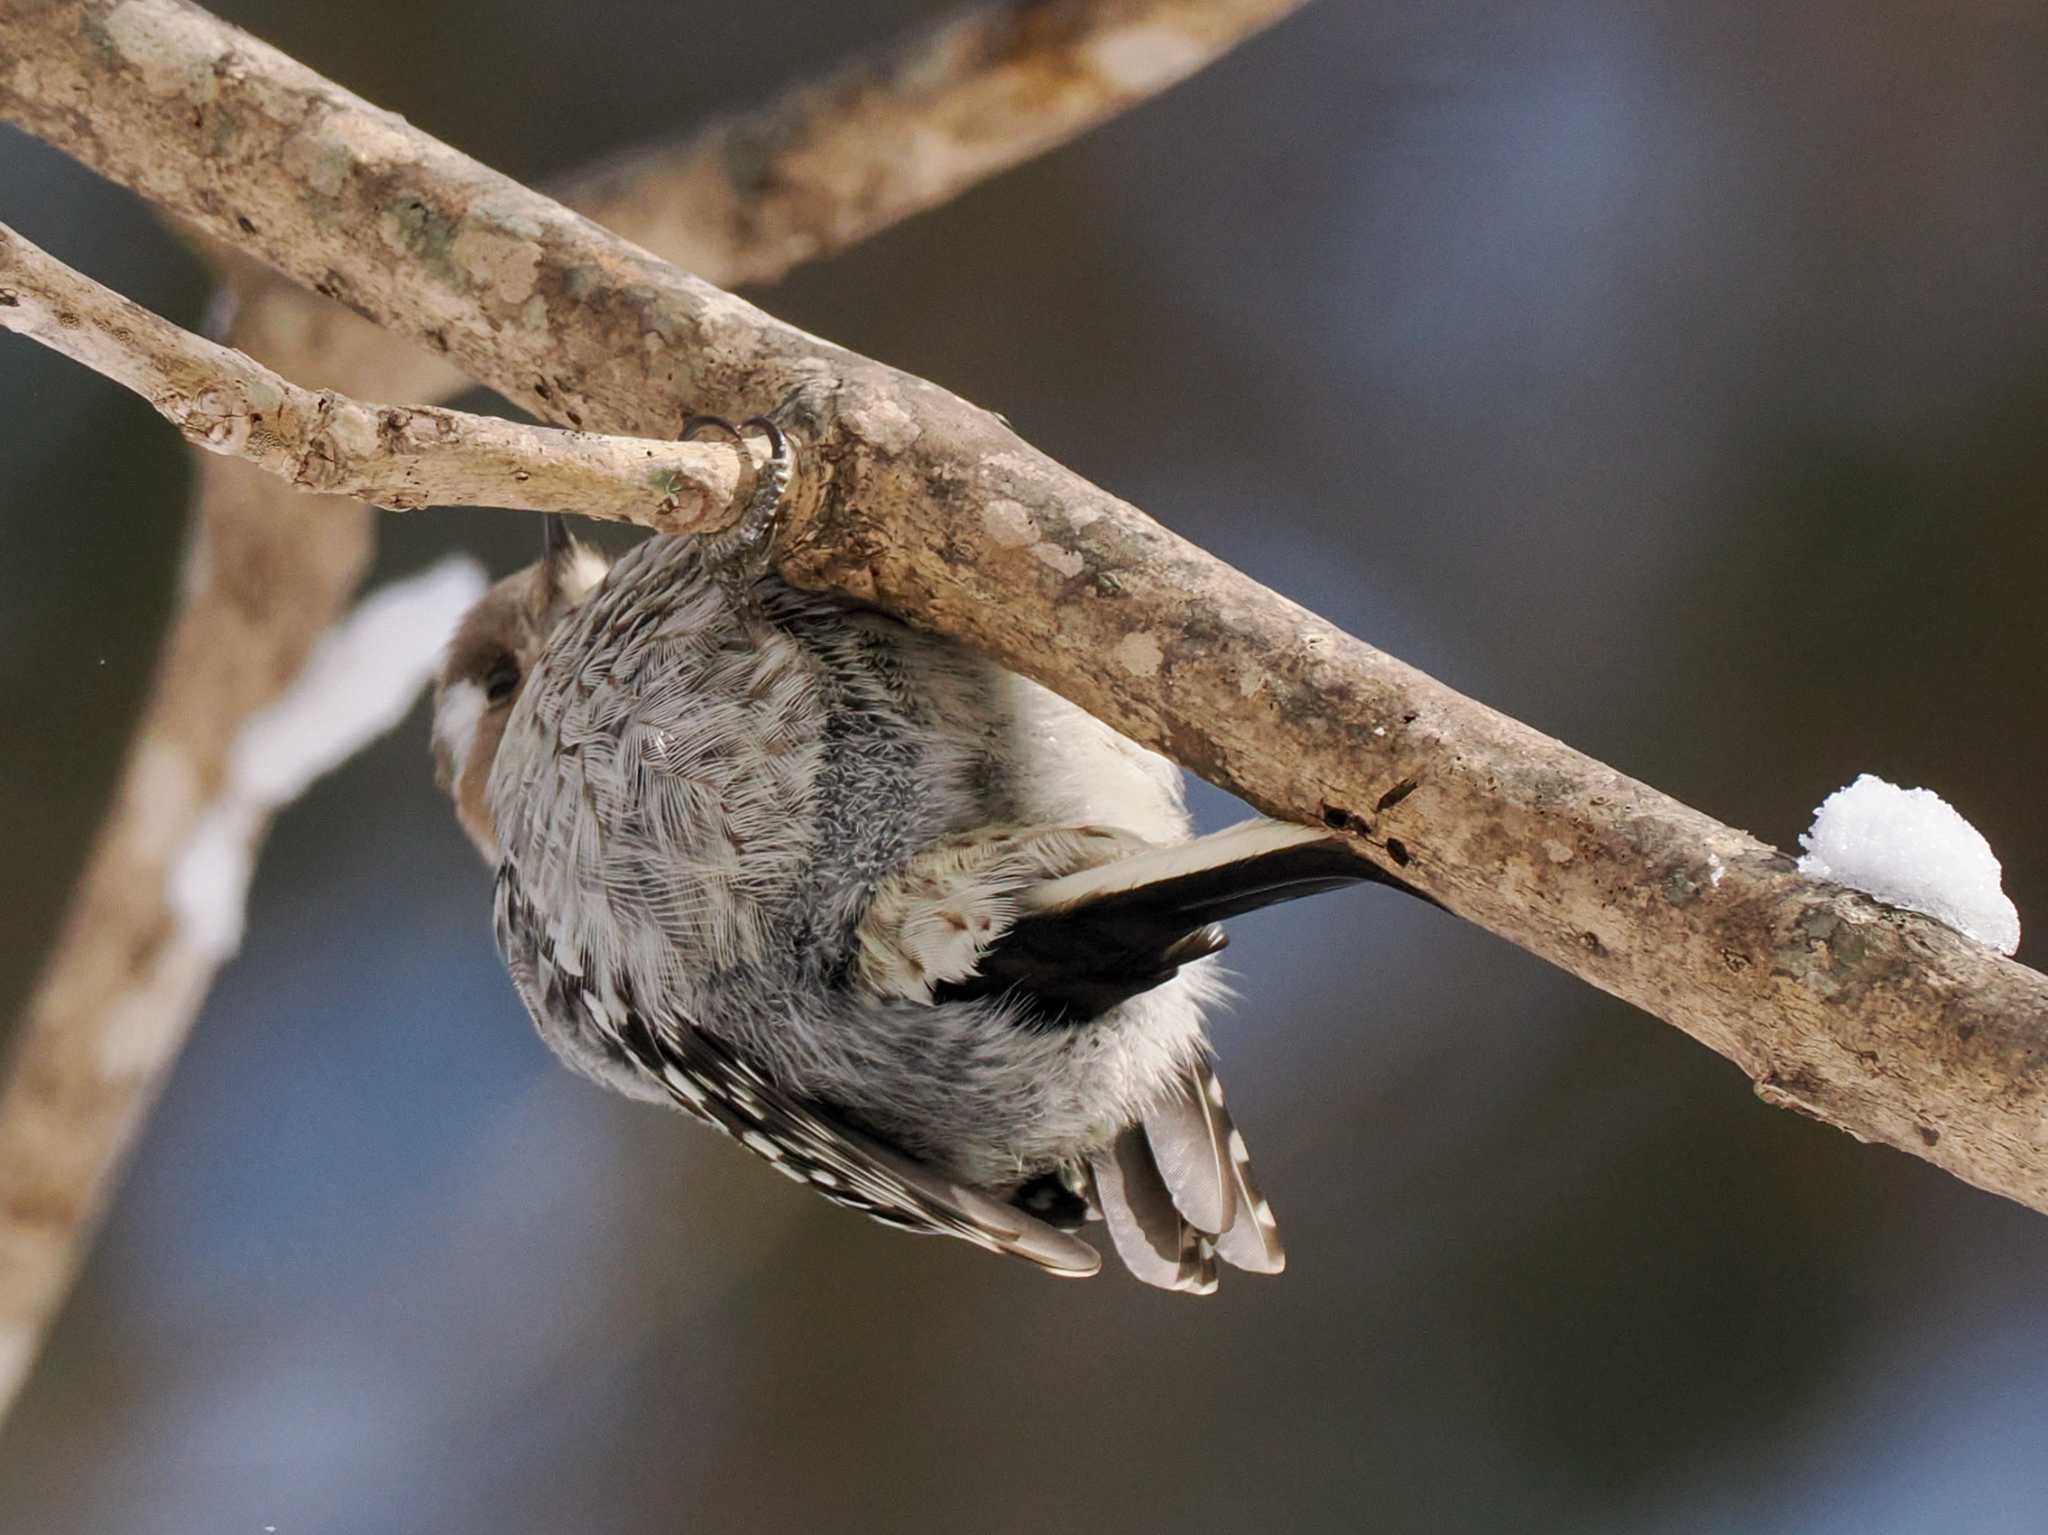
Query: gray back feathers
point(697, 802)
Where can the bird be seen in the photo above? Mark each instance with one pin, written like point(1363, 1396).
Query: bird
point(914, 929)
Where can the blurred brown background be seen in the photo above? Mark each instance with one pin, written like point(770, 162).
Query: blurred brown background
point(1669, 376)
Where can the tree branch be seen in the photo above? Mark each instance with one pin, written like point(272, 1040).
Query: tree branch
point(400, 457)
point(267, 575)
point(1877, 1021)
point(827, 164)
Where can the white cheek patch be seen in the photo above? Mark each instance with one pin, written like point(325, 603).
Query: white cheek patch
point(460, 710)
point(587, 568)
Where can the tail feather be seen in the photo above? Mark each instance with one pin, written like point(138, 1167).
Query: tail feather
point(1155, 1242)
point(1253, 1241)
point(1177, 1194)
point(1177, 1191)
point(1193, 1158)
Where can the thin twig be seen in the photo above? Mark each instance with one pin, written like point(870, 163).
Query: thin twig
point(400, 457)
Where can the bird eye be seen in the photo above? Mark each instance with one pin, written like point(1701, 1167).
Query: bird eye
point(501, 679)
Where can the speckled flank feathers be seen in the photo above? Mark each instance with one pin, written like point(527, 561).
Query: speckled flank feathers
point(756, 855)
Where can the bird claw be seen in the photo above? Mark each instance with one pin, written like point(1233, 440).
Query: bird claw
point(745, 552)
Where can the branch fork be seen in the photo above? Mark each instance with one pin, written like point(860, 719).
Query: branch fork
point(401, 457)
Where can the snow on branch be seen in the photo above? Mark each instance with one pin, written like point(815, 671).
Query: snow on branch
point(1882, 1023)
point(401, 457)
point(1910, 848)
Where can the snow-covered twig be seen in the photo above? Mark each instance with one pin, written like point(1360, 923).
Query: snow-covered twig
point(359, 681)
point(396, 456)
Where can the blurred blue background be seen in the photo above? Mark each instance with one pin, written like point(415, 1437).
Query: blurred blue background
point(1669, 376)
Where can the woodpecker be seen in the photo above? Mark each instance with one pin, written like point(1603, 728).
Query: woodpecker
point(913, 929)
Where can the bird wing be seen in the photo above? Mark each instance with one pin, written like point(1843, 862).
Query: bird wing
point(630, 1048)
point(805, 1142)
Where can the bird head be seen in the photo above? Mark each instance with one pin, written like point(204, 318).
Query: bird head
point(486, 666)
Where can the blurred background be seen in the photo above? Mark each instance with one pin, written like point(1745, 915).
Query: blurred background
point(1671, 377)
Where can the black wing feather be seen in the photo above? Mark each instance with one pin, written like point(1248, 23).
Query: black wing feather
point(1079, 958)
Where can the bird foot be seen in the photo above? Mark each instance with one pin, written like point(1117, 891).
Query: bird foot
point(745, 552)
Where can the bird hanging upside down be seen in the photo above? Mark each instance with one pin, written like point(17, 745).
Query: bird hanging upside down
point(918, 932)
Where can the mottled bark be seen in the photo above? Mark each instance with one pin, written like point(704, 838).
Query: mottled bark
point(827, 163)
point(1878, 1021)
point(398, 456)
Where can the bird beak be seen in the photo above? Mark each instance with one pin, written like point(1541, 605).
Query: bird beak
point(556, 547)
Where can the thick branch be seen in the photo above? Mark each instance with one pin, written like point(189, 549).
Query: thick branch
point(1881, 1023)
point(828, 163)
point(401, 457)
